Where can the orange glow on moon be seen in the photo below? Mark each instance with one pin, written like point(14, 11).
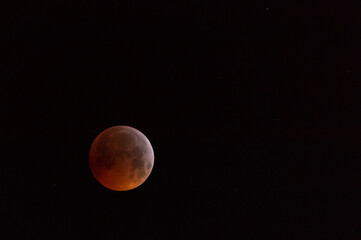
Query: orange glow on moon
point(121, 158)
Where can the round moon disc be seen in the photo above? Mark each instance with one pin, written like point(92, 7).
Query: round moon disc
point(121, 158)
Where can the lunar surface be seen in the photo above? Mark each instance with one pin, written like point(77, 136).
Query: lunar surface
point(121, 158)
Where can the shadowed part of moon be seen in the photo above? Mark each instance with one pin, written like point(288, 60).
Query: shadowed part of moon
point(114, 144)
point(121, 158)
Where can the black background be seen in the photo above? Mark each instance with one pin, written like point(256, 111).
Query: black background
point(252, 109)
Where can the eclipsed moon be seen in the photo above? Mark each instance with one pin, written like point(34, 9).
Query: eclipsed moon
point(121, 158)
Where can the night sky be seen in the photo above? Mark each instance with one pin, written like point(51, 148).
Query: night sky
point(252, 109)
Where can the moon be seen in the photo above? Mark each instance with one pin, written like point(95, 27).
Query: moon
point(121, 158)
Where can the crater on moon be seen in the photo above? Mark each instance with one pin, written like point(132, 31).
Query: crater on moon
point(138, 163)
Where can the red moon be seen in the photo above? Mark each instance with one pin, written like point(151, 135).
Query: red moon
point(121, 158)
